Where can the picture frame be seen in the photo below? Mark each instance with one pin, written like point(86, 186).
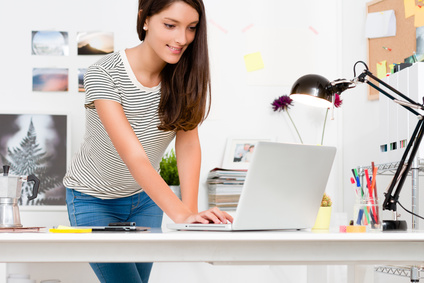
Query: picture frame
point(238, 152)
point(81, 74)
point(49, 42)
point(37, 144)
point(50, 79)
point(95, 43)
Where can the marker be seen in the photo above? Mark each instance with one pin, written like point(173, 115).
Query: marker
point(360, 214)
point(367, 177)
point(357, 178)
point(375, 185)
point(354, 175)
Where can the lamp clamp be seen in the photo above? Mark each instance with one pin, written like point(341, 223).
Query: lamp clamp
point(362, 78)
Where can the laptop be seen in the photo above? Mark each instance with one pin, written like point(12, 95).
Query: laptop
point(283, 189)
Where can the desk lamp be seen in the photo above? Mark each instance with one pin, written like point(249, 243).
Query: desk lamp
point(318, 91)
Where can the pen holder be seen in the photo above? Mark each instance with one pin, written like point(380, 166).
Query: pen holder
point(367, 212)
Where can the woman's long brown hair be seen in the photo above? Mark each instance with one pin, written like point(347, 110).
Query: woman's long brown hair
point(185, 86)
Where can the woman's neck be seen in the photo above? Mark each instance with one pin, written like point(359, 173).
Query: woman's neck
point(145, 64)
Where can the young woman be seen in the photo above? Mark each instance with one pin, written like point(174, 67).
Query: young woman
point(137, 101)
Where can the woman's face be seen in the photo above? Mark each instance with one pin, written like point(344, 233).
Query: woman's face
point(171, 31)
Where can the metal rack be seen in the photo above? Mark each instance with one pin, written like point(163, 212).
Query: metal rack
point(390, 168)
point(412, 272)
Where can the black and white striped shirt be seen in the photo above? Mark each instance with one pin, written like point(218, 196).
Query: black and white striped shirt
point(97, 169)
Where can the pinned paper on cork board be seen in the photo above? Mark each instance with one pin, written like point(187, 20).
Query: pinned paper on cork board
point(394, 47)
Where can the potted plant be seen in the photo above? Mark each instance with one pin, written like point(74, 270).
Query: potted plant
point(324, 214)
point(169, 172)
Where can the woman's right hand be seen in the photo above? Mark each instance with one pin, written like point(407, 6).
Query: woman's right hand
point(212, 215)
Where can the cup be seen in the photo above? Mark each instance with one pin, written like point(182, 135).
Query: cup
point(367, 213)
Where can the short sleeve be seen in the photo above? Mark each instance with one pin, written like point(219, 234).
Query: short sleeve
point(99, 84)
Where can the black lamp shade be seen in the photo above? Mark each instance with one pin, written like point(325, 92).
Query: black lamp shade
point(312, 89)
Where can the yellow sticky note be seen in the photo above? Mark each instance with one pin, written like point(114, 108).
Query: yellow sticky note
point(409, 8)
point(253, 61)
point(419, 16)
point(381, 69)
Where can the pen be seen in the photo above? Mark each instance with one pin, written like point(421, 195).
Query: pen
point(122, 224)
point(367, 176)
point(374, 187)
point(360, 213)
point(354, 175)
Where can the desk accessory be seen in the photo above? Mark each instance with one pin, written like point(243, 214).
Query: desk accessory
point(10, 193)
point(111, 228)
point(67, 230)
point(21, 229)
point(356, 229)
point(366, 211)
point(317, 91)
point(324, 214)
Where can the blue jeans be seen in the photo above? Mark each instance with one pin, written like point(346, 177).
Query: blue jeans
point(85, 210)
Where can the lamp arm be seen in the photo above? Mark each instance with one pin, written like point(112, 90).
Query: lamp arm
point(402, 170)
point(369, 74)
point(392, 97)
point(401, 174)
point(404, 103)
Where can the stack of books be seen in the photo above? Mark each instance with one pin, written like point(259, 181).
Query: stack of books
point(224, 187)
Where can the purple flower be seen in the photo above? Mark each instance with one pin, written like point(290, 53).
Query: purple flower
point(337, 101)
point(282, 103)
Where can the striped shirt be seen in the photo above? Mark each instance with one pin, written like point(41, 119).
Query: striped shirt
point(97, 169)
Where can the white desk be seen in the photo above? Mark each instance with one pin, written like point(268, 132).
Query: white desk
point(300, 248)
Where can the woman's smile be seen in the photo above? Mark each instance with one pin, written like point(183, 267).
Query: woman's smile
point(175, 50)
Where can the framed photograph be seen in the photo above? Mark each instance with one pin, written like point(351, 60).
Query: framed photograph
point(36, 144)
point(50, 79)
point(239, 151)
point(95, 43)
point(81, 73)
point(53, 43)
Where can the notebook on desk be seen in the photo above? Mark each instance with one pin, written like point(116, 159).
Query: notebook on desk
point(283, 189)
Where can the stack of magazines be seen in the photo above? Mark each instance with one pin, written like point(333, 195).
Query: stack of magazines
point(224, 187)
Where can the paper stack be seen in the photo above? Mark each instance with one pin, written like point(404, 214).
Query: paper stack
point(224, 187)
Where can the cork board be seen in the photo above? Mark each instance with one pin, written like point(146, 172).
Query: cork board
point(402, 45)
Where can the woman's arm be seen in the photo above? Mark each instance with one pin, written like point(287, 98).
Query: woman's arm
point(187, 147)
point(132, 153)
